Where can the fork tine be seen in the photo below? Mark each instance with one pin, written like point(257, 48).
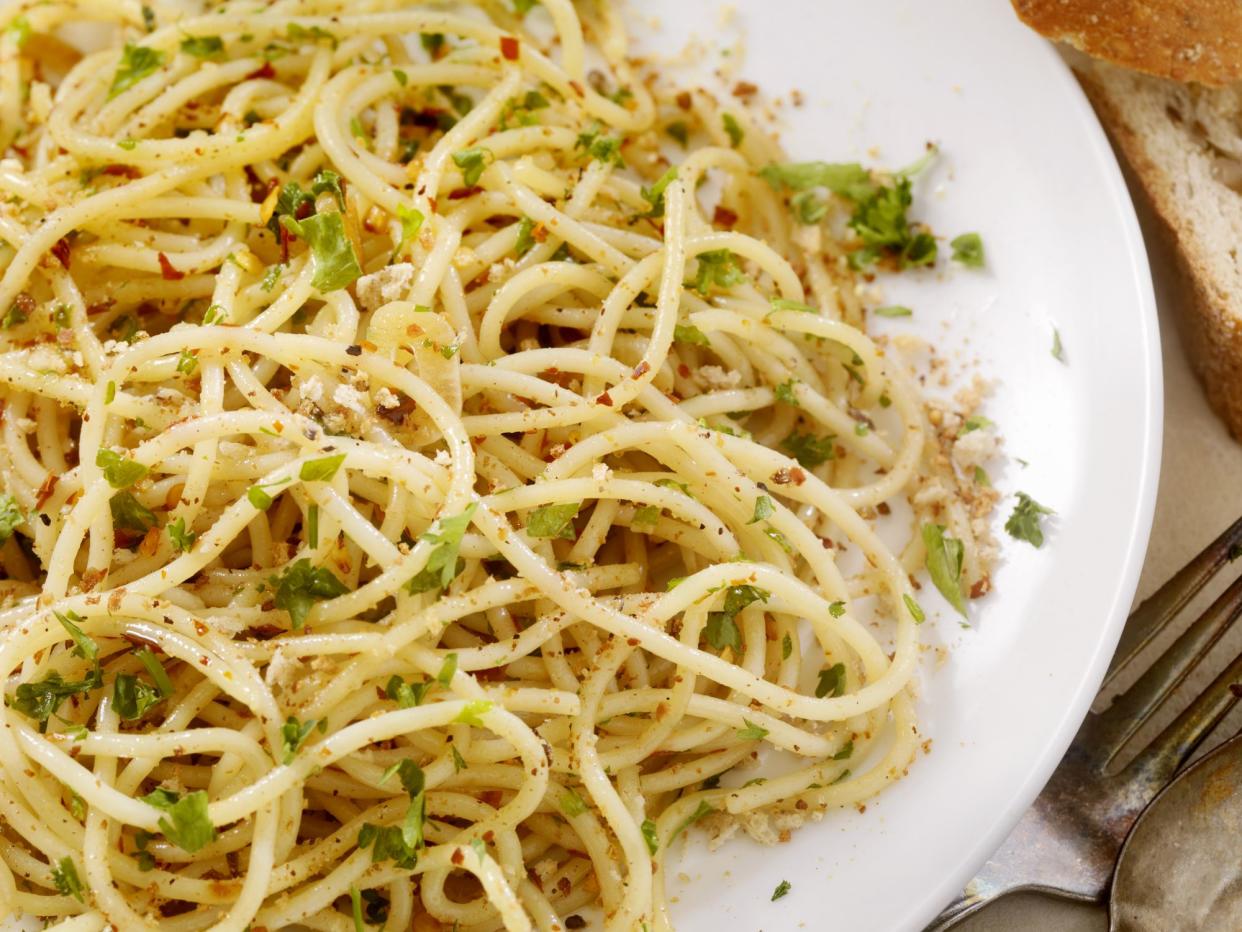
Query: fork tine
point(1160, 760)
point(1162, 606)
point(1113, 727)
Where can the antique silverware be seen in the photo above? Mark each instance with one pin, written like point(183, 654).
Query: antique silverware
point(1068, 842)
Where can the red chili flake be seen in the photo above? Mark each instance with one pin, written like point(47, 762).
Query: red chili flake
point(492, 675)
point(125, 171)
point(168, 271)
point(285, 235)
point(723, 217)
point(100, 306)
point(457, 857)
point(641, 369)
point(267, 71)
point(577, 88)
point(24, 303)
point(61, 251)
point(557, 377)
point(981, 588)
point(683, 370)
point(460, 193)
point(510, 47)
point(604, 399)
point(744, 89)
point(46, 490)
point(684, 100)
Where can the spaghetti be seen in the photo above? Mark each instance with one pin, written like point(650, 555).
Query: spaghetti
point(433, 458)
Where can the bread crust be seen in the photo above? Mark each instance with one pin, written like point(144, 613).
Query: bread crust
point(1209, 323)
point(1186, 40)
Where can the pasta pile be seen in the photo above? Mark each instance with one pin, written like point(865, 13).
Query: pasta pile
point(438, 460)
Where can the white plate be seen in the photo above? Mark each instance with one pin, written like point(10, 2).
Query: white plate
point(1026, 164)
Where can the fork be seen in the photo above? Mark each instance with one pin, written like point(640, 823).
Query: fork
point(1068, 842)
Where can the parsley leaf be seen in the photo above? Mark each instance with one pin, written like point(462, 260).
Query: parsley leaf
point(472, 712)
point(847, 179)
point(785, 392)
point(187, 824)
point(66, 879)
point(132, 697)
point(203, 46)
point(525, 239)
point(781, 889)
point(473, 162)
point(554, 521)
point(1058, 351)
point(810, 451)
point(10, 517)
point(704, 808)
point(646, 517)
point(181, 538)
point(1024, 523)
point(733, 129)
point(85, 645)
point(892, 310)
point(688, 333)
point(40, 699)
point(336, 264)
point(968, 250)
point(137, 61)
point(654, 195)
point(831, 681)
point(751, 732)
point(293, 735)
point(944, 564)
point(406, 695)
point(717, 267)
point(442, 566)
point(763, 509)
point(913, 607)
point(651, 836)
point(153, 666)
point(130, 514)
point(572, 804)
point(301, 586)
point(721, 630)
point(120, 472)
point(322, 469)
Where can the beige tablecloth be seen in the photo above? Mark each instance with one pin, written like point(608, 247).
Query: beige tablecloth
point(1200, 495)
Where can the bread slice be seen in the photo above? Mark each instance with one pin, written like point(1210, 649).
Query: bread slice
point(1183, 144)
point(1187, 40)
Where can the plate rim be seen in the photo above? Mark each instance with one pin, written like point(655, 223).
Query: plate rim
point(1136, 538)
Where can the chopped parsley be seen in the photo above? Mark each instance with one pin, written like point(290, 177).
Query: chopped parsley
point(646, 517)
point(40, 699)
point(554, 521)
point(525, 238)
point(944, 564)
point(688, 333)
point(968, 250)
point(751, 732)
point(721, 629)
point(301, 586)
point(782, 888)
point(1024, 523)
point(84, 645)
point(181, 538)
point(137, 61)
point(651, 836)
point(130, 514)
point(203, 46)
point(733, 129)
point(879, 219)
point(472, 713)
point(679, 131)
point(654, 195)
point(974, 422)
point(187, 824)
point(717, 267)
point(1058, 351)
point(836, 609)
point(293, 735)
point(763, 509)
point(572, 804)
point(810, 451)
point(785, 304)
point(703, 809)
point(893, 310)
point(831, 681)
point(321, 470)
point(442, 566)
point(120, 472)
point(132, 697)
point(472, 163)
point(153, 666)
point(913, 607)
point(786, 647)
point(65, 878)
point(187, 362)
point(785, 392)
point(336, 264)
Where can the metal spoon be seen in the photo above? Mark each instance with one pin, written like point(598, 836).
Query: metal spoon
point(1181, 867)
